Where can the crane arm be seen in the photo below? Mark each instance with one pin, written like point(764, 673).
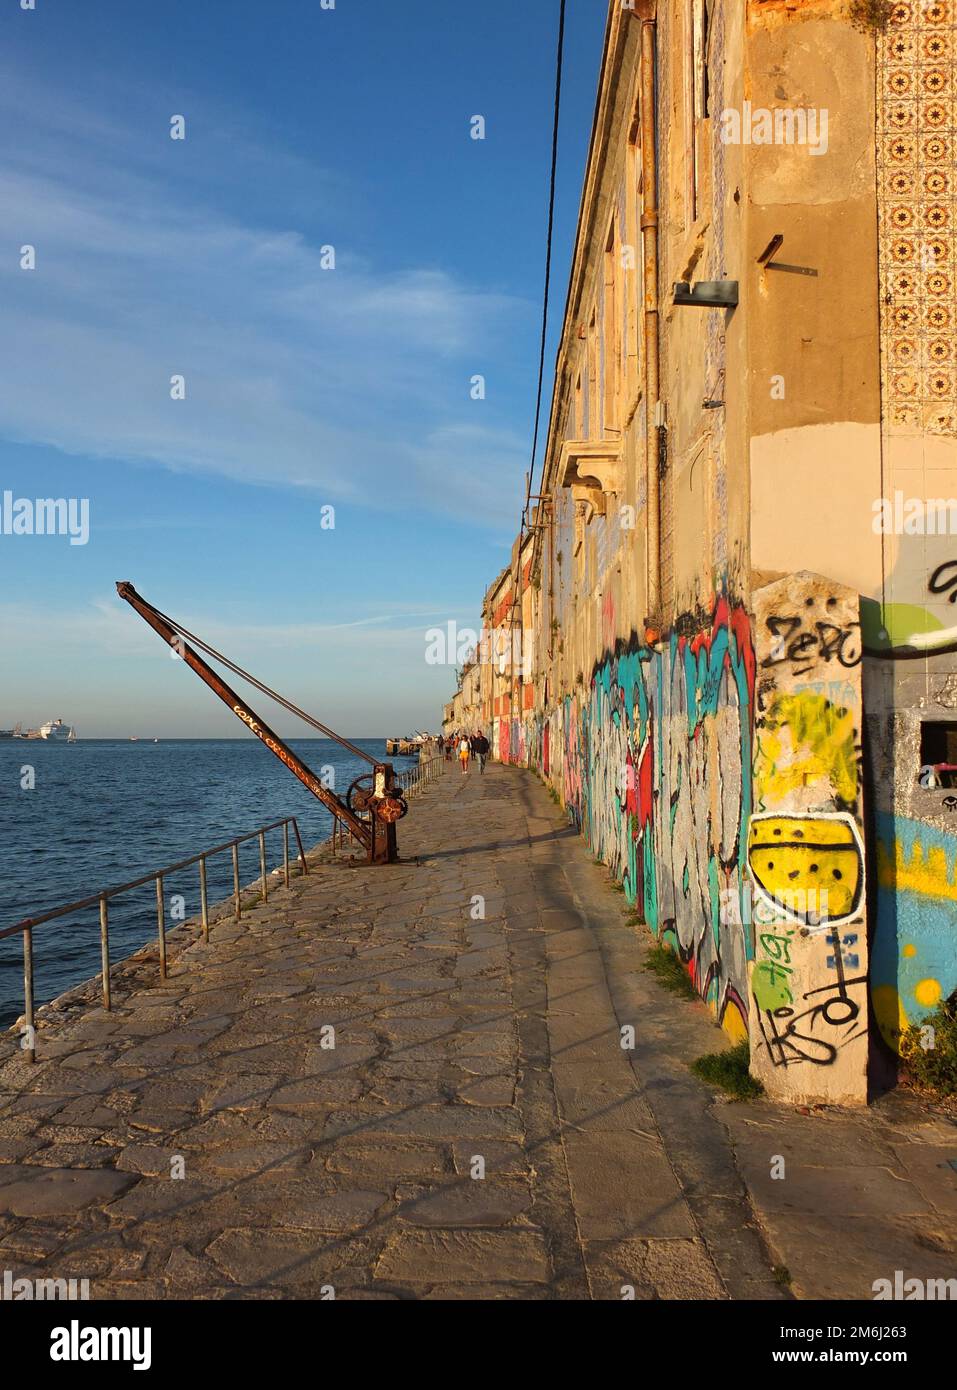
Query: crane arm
point(364, 831)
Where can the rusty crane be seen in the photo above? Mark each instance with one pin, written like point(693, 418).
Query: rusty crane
point(373, 802)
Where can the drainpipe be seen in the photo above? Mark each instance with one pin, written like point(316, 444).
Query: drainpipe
point(649, 227)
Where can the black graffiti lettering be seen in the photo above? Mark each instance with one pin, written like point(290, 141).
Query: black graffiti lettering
point(827, 642)
point(782, 1028)
point(786, 1045)
point(843, 643)
point(944, 578)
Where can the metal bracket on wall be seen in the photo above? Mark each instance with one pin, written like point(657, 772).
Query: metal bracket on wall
point(766, 258)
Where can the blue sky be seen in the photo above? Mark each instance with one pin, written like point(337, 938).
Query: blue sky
point(305, 386)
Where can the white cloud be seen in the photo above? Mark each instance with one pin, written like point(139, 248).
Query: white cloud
point(111, 626)
point(353, 382)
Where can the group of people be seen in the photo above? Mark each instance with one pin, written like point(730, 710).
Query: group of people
point(465, 747)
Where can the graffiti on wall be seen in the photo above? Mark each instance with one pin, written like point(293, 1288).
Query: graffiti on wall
point(808, 869)
point(805, 739)
point(809, 1025)
point(806, 858)
point(914, 956)
point(656, 773)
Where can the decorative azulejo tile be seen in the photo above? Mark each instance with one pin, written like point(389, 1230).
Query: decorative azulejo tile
point(917, 205)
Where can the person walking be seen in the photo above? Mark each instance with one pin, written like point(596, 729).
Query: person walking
point(449, 740)
point(465, 752)
point(481, 748)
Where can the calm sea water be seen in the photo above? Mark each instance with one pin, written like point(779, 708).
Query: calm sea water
point(105, 811)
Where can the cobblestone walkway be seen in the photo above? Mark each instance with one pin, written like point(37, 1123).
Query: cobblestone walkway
point(477, 1130)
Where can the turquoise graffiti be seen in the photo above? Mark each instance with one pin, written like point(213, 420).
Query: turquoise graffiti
point(657, 776)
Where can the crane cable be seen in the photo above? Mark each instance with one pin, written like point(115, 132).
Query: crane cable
point(266, 690)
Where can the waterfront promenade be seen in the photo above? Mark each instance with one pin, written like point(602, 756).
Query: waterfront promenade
point(477, 1129)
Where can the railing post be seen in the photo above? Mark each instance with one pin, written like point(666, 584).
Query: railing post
point(28, 1020)
point(161, 924)
point(105, 949)
point(285, 852)
point(237, 899)
point(262, 864)
point(203, 898)
point(304, 867)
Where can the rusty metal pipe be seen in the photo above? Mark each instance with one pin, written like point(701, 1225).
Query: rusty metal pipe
point(649, 228)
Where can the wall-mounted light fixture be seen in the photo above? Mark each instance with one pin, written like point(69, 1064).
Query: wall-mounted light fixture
point(708, 294)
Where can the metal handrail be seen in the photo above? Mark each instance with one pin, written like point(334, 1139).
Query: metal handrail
point(424, 772)
point(26, 925)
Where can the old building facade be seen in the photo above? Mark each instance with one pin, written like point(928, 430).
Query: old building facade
point(729, 624)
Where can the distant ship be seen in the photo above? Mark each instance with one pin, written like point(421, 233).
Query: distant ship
point(15, 732)
point(55, 729)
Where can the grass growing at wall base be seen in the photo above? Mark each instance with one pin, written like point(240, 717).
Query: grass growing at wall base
point(929, 1050)
point(729, 1070)
point(669, 972)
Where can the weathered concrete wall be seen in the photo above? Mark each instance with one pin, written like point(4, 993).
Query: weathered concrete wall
point(815, 445)
point(806, 857)
point(688, 699)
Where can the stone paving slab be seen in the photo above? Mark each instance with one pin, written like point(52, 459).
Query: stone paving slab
point(364, 1088)
point(857, 1200)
